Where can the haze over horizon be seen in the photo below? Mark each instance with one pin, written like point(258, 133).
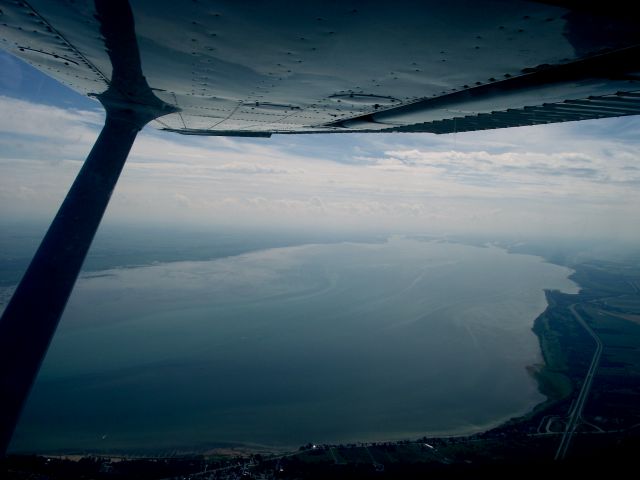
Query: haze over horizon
point(576, 179)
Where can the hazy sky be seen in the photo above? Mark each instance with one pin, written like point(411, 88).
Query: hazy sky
point(579, 178)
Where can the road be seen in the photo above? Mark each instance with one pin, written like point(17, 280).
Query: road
point(575, 414)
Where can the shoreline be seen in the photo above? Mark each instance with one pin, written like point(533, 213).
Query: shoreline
point(542, 373)
point(530, 440)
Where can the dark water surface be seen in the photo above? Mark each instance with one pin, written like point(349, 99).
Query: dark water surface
point(317, 343)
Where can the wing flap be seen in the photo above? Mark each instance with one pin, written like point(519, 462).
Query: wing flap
point(568, 111)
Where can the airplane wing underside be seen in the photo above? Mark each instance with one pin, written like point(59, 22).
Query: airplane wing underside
point(258, 68)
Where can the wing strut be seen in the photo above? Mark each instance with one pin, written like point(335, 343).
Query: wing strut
point(31, 317)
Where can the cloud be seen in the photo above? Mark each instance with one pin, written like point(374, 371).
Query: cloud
point(182, 200)
point(500, 170)
point(26, 118)
point(536, 179)
point(250, 168)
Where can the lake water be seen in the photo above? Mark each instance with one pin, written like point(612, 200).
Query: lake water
point(316, 343)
